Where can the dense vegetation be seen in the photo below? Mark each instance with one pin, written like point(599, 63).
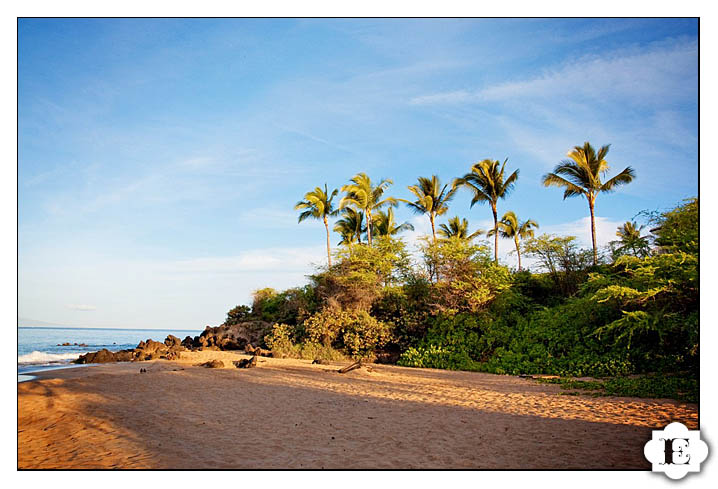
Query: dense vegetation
point(629, 309)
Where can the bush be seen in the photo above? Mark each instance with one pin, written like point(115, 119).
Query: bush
point(433, 356)
point(315, 351)
point(356, 332)
point(408, 309)
point(466, 278)
point(280, 341)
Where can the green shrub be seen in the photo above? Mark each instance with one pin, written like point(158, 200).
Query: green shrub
point(280, 341)
point(433, 356)
point(315, 351)
point(357, 332)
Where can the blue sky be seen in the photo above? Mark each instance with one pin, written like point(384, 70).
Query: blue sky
point(159, 160)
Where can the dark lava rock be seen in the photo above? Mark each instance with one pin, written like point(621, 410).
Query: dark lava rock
point(172, 340)
point(246, 362)
point(102, 356)
point(188, 342)
point(213, 364)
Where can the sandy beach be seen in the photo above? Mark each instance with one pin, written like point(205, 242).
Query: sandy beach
point(292, 414)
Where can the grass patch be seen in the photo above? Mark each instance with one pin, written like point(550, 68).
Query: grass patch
point(649, 386)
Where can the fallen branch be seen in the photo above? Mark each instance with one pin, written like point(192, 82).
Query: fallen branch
point(351, 367)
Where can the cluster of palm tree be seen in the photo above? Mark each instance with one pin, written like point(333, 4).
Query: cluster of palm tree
point(630, 241)
point(362, 213)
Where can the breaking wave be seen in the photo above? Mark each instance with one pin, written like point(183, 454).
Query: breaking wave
point(39, 358)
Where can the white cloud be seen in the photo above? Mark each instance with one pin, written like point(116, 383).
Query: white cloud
point(581, 228)
point(266, 217)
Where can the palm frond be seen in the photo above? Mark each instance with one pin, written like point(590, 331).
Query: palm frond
point(571, 189)
point(626, 176)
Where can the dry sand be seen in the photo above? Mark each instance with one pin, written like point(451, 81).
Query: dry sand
point(292, 414)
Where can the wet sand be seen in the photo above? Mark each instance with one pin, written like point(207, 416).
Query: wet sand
point(292, 414)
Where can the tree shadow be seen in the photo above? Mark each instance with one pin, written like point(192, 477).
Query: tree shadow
point(274, 418)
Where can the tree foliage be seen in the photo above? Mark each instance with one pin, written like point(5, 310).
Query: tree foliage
point(581, 175)
point(451, 306)
point(487, 183)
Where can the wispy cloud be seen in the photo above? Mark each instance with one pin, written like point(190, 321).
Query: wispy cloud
point(311, 137)
point(267, 260)
point(638, 75)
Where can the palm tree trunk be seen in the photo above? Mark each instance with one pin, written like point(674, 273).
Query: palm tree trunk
point(433, 230)
point(496, 233)
point(518, 251)
point(368, 226)
point(329, 253)
point(593, 230)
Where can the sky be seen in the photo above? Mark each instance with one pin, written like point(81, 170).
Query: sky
point(159, 160)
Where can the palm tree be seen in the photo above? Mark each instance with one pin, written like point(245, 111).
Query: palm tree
point(486, 181)
point(350, 227)
point(511, 228)
point(364, 196)
point(458, 228)
point(630, 240)
point(582, 174)
point(431, 199)
point(318, 205)
point(385, 225)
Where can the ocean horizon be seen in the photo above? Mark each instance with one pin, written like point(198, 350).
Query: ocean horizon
point(42, 348)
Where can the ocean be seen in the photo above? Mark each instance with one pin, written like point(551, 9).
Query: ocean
point(39, 348)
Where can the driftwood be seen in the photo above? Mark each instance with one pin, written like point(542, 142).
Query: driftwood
point(351, 367)
point(247, 362)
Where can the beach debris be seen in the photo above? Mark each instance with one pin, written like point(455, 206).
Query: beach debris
point(319, 361)
point(538, 376)
point(143, 370)
point(213, 364)
point(247, 362)
point(249, 349)
point(351, 367)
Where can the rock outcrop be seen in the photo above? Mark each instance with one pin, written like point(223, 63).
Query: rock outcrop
point(238, 336)
point(229, 337)
point(145, 350)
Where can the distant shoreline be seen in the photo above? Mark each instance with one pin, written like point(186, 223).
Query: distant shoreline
point(107, 329)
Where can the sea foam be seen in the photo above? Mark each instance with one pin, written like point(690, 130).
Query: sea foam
point(39, 357)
